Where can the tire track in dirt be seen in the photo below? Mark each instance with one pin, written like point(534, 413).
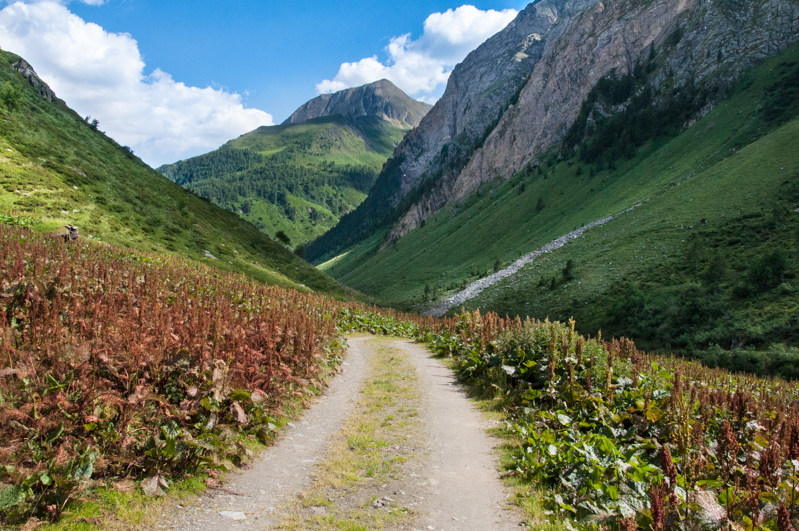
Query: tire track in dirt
point(461, 477)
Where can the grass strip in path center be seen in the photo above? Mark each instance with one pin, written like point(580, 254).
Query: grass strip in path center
point(358, 485)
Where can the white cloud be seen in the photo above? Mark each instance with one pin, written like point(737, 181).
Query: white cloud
point(421, 67)
point(102, 74)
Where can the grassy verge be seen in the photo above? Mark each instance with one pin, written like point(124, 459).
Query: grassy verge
point(367, 456)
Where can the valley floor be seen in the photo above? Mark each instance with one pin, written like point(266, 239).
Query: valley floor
point(393, 444)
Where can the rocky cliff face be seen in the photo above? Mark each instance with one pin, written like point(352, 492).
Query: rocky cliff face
point(709, 42)
point(23, 67)
point(381, 98)
point(516, 96)
point(478, 92)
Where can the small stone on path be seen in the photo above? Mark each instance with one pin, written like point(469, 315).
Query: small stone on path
point(234, 515)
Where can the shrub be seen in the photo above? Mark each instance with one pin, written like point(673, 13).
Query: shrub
point(282, 238)
point(568, 270)
point(11, 97)
point(767, 271)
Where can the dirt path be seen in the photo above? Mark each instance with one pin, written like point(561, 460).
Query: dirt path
point(283, 469)
point(461, 477)
point(394, 444)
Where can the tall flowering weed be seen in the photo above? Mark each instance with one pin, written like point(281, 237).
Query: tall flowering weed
point(116, 364)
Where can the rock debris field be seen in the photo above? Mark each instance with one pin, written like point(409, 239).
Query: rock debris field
point(475, 288)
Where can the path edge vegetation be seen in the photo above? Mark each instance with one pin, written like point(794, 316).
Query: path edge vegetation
point(612, 438)
point(118, 367)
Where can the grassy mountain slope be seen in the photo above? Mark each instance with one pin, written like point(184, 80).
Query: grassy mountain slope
point(716, 198)
point(58, 168)
point(296, 178)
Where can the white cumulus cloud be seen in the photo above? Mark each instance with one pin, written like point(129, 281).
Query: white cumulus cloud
point(422, 66)
point(102, 74)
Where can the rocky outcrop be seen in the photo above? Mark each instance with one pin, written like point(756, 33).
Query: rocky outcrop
point(715, 42)
point(515, 97)
point(555, 52)
point(27, 71)
point(381, 98)
point(478, 92)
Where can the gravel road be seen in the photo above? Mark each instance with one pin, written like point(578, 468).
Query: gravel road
point(455, 481)
point(461, 478)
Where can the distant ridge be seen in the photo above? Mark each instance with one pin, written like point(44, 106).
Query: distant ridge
point(381, 98)
point(300, 177)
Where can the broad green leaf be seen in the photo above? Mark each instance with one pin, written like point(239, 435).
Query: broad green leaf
point(510, 371)
point(171, 431)
point(168, 451)
point(55, 434)
point(210, 404)
point(13, 495)
point(85, 469)
point(241, 395)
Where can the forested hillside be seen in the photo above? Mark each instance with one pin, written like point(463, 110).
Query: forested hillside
point(299, 178)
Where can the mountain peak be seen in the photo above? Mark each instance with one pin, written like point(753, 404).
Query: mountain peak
point(381, 98)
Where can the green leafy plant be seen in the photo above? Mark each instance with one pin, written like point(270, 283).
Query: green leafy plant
point(627, 440)
point(11, 96)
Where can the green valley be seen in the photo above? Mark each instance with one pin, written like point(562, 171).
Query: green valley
point(297, 179)
point(59, 169)
point(708, 258)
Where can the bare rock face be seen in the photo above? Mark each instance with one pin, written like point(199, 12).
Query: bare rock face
point(478, 91)
point(381, 98)
point(517, 95)
point(27, 71)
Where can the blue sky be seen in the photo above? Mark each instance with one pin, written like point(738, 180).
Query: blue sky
point(178, 78)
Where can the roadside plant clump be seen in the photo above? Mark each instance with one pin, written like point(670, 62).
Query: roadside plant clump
point(382, 322)
point(627, 440)
point(121, 365)
point(16, 220)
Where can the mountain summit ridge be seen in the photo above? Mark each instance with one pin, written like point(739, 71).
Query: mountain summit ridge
point(381, 98)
